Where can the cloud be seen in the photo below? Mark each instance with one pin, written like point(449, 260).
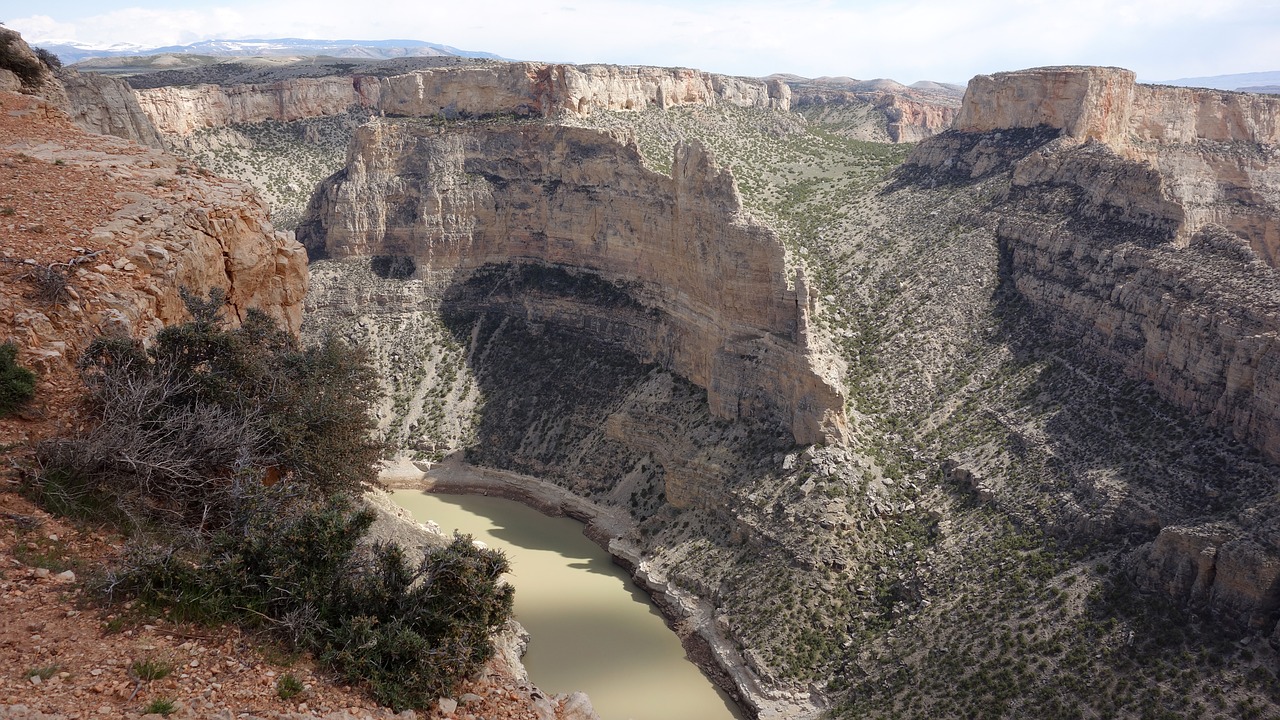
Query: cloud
point(904, 39)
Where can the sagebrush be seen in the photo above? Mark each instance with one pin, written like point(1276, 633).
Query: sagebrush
point(185, 425)
point(235, 458)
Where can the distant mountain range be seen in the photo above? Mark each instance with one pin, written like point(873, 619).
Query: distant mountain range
point(1263, 82)
point(70, 52)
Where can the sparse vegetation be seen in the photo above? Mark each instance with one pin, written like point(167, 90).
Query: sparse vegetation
point(17, 383)
point(150, 669)
point(234, 459)
point(908, 591)
point(160, 706)
point(44, 672)
point(288, 686)
point(50, 60)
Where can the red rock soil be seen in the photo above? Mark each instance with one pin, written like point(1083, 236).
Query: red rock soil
point(62, 655)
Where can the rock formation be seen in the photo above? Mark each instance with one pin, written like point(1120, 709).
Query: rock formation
point(689, 281)
point(141, 227)
point(911, 114)
point(1219, 569)
point(1145, 229)
point(22, 71)
point(107, 105)
point(1141, 223)
point(525, 89)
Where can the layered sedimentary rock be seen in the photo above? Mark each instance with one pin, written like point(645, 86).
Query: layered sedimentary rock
point(107, 106)
point(910, 116)
point(670, 268)
point(1215, 151)
point(1157, 249)
point(1141, 223)
point(526, 89)
point(1219, 569)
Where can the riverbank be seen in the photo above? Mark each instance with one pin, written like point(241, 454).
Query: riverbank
point(692, 618)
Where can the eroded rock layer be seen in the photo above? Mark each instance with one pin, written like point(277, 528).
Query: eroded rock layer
point(525, 89)
point(1141, 226)
point(1138, 242)
point(693, 283)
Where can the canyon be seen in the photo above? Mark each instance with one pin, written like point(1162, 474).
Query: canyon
point(704, 289)
point(524, 89)
point(984, 425)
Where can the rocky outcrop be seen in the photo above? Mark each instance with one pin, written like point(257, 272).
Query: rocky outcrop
point(106, 105)
point(1108, 105)
point(1215, 151)
point(1221, 570)
point(142, 226)
point(1140, 225)
point(1150, 246)
point(523, 89)
point(909, 116)
point(22, 71)
point(668, 267)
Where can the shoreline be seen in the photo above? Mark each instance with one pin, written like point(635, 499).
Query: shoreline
point(689, 616)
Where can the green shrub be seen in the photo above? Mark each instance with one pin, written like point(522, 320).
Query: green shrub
point(288, 686)
point(184, 426)
point(150, 669)
point(159, 706)
point(17, 384)
point(235, 458)
point(297, 565)
point(50, 60)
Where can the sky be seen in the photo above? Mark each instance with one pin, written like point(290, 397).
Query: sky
point(907, 40)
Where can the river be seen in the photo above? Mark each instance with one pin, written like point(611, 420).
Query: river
point(592, 629)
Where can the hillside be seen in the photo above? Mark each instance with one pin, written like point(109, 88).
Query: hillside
point(980, 426)
point(101, 235)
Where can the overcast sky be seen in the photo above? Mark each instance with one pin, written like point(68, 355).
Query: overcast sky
point(908, 40)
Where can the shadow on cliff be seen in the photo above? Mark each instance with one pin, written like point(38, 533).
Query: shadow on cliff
point(565, 397)
point(1130, 461)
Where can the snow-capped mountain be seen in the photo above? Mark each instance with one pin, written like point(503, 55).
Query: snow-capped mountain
point(72, 52)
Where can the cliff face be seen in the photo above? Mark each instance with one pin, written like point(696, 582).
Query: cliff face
point(107, 106)
point(1152, 246)
point(1215, 151)
point(501, 88)
point(1141, 223)
point(127, 228)
point(909, 116)
point(697, 286)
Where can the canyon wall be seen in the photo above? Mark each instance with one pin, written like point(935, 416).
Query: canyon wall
point(1140, 224)
point(107, 106)
point(684, 277)
point(1214, 150)
point(909, 116)
point(525, 89)
point(1156, 248)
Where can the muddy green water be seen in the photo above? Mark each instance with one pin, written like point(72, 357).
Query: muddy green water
point(592, 629)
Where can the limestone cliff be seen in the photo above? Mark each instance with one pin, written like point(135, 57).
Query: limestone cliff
point(1140, 225)
point(689, 280)
point(1215, 151)
point(1151, 246)
point(525, 89)
point(909, 116)
point(106, 105)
